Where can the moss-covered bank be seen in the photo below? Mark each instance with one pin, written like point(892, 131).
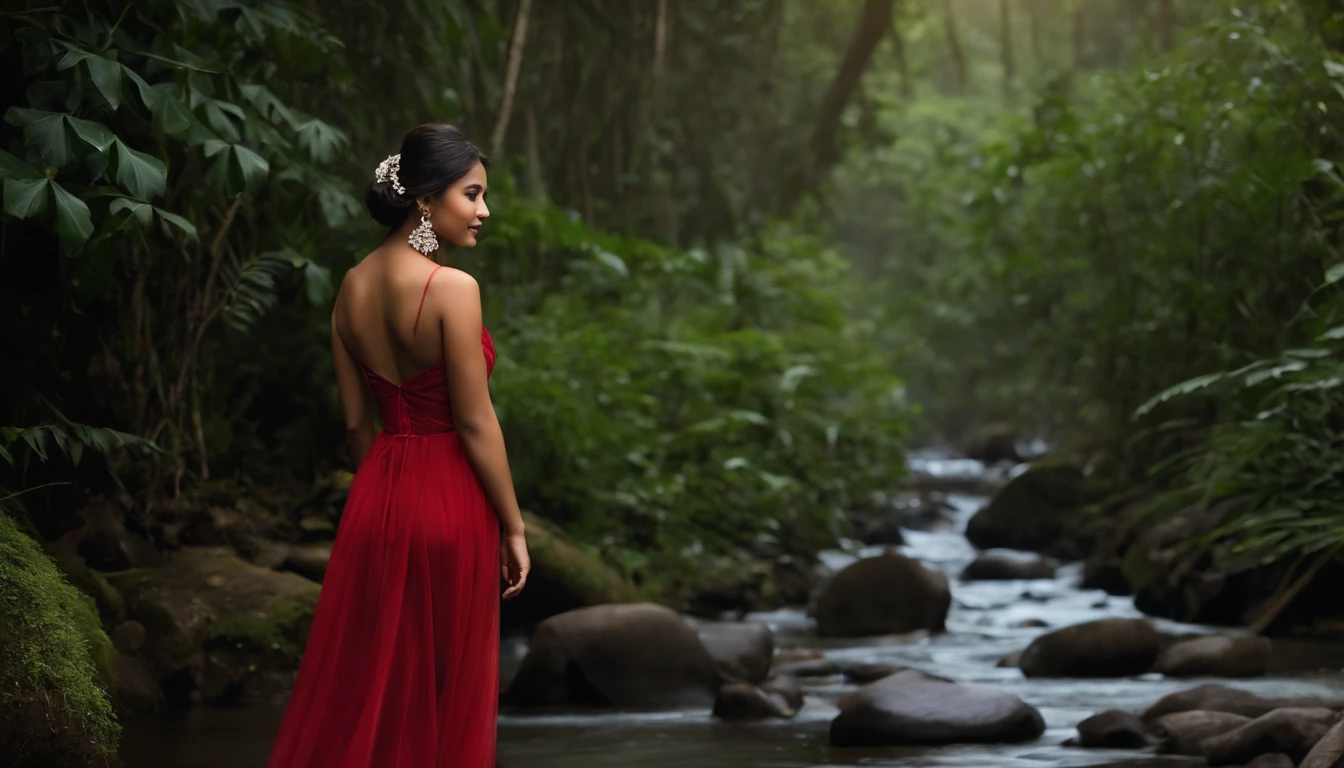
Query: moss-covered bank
point(56, 664)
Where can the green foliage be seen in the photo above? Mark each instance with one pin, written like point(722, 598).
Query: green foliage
point(667, 401)
point(55, 662)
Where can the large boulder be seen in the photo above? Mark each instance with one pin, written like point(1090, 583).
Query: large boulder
point(1037, 511)
point(1112, 729)
point(218, 624)
point(1181, 733)
point(1214, 697)
point(1242, 656)
point(563, 578)
point(1104, 648)
point(1008, 565)
point(887, 594)
point(636, 654)
point(1329, 751)
point(1291, 731)
point(911, 708)
point(56, 664)
point(106, 544)
point(992, 443)
point(742, 651)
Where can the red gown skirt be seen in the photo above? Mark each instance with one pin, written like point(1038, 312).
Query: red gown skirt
point(401, 667)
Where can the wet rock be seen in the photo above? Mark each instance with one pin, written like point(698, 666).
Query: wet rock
point(818, 667)
point(1221, 698)
point(1272, 761)
point(136, 690)
point(309, 560)
point(1329, 751)
point(788, 688)
point(912, 708)
point(636, 654)
point(1007, 565)
point(245, 528)
point(218, 624)
point(742, 651)
point(1181, 733)
point(739, 584)
point(1035, 512)
point(129, 636)
point(1032, 624)
point(1105, 648)
point(868, 673)
point(1292, 731)
point(888, 594)
point(1012, 660)
point(1244, 656)
point(108, 546)
point(1112, 729)
point(992, 443)
point(564, 577)
point(744, 701)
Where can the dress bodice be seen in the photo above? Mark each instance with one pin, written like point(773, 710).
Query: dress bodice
point(419, 405)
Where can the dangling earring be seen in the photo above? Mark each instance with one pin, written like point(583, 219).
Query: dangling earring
point(422, 238)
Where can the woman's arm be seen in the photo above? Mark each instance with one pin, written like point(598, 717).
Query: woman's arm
point(355, 403)
point(458, 304)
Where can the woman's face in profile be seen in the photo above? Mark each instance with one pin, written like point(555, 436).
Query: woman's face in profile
point(461, 210)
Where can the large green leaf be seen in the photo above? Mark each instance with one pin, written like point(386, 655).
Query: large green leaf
point(43, 131)
point(142, 175)
point(253, 167)
point(73, 224)
point(320, 140)
point(170, 115)
point(12, 167)
point(25, 198)
point(94, 134)
point(142, 211)
point(106, 76)
point(173, 219)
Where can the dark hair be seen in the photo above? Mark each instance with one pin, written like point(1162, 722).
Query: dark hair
point(433, 156)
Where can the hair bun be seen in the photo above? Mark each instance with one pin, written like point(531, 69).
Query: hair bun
point(385, 205)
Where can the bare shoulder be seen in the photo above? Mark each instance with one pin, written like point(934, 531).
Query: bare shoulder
point(453, 287)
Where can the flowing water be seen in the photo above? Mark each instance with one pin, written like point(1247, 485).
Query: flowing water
point(985, 623)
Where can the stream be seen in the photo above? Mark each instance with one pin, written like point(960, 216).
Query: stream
point(984, 624)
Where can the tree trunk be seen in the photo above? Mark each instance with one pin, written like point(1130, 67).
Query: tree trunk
point(954, 45)
point(1166, 24)
point(902, 60)
point(659, 40)
point(1034, 17)
point(1081, 58)
point(511, 77)
point(872, 25)
point(1006, 48)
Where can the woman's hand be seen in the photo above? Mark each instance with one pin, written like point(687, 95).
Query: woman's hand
point(514, 562)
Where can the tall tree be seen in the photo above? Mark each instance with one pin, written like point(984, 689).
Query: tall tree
point(1166, 24)
point(874, 21)
point(1006, 48)
point(954, 44)
point(515, 63)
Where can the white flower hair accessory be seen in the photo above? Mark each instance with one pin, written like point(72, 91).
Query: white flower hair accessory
point(387, 171)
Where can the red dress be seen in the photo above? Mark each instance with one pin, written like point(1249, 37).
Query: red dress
point(401, 668)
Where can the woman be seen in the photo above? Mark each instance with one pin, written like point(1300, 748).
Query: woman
point(401, 666)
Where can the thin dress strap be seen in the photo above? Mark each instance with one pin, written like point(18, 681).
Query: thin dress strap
point(423, 294)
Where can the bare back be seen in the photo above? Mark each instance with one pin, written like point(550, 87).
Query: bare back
point(381, 318)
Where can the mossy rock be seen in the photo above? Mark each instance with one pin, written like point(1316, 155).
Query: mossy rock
point(217, 623)
point(563, 577)
point(1037, 511)
point(56, 664)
